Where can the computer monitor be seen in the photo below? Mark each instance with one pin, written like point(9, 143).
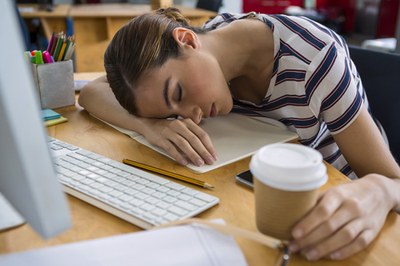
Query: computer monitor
point(27, 175)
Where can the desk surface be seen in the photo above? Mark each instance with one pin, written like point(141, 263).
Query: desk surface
point(236, 206)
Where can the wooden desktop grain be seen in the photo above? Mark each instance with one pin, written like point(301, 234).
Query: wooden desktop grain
point(236, 206)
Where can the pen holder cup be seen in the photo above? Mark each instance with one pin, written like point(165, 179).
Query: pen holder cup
point(55, 84)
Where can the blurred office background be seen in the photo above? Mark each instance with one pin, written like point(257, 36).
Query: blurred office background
point(362, 22)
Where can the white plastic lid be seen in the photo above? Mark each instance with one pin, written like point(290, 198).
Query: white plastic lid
point(287, 166)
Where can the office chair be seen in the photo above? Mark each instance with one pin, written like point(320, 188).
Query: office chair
point(380, 75)
point(212, 5)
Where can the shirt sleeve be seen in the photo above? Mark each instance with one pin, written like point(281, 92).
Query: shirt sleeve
point(332, 89)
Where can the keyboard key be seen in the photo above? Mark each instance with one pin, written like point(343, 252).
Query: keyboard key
point(171, 217)
point(126, 197)
point(175, 186)
point(131, 191)
point(178, 211)
point(147, 207)
point(105, 189)
point(189, 191)
point(204, 197)
point(184, 197)
point(159, 212)
point(163, 189)
point(173, 193)
point(169, 199)
point(198, 202)
point(136, 202)
point(185, 205)
point(116, 193)
point(152, 200)
point(163, 204)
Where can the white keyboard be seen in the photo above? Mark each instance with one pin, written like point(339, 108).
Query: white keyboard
point(134, 195)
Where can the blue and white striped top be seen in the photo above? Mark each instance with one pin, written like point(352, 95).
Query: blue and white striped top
point(315, 89)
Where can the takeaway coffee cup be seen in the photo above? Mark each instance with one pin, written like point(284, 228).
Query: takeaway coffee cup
point(286, 181)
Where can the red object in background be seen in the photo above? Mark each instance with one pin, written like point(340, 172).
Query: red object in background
point(347, 8)
point(387, 18)
point(269, 6)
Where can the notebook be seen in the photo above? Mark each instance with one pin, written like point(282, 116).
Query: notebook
point(234, 137)
point(56, 121)
point(48, 114)
point(193, 245)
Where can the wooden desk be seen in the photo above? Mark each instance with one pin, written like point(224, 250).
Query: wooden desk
point(95, 25)
point(236, 206)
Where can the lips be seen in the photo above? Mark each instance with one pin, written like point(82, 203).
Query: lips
point(213, 111)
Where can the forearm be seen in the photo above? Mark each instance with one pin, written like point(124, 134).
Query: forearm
point(98, 99)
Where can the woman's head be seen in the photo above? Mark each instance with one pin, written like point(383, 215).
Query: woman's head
point(145, 43)
point(157, 68)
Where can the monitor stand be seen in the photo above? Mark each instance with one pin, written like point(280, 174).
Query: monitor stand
point(9, 217)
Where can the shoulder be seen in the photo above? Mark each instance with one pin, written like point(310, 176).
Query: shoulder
point(224, 19)
point(306, 30)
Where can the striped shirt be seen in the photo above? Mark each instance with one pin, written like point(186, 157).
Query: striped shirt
point(315, 89)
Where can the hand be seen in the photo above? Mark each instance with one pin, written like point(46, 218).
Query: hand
point(182, 139)
point(345, 220)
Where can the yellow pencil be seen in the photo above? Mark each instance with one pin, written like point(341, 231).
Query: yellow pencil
point(62, 51)
point(167, 173)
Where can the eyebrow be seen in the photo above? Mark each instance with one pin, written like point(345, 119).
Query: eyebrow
point(165, 93)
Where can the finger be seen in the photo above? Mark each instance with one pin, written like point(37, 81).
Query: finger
point(338, 219)
point(205, 140)
point(170, 148)
point(363, 240)
point(343, 237)
point(189, 143)
point(325, 207)
point(175, 141)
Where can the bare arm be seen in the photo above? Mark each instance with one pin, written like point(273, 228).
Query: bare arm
point(348, 217)
point(98, 99)
point(194, 144)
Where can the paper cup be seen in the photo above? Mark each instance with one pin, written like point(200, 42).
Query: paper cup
point(286, 182)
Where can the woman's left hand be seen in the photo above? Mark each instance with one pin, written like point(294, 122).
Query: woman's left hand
point(345, 220)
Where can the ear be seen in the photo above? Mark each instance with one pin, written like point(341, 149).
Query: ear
point(185, 37)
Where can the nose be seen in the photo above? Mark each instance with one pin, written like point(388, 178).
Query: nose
point(194, 113)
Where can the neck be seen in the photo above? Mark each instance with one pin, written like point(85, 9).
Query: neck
point(244, 49)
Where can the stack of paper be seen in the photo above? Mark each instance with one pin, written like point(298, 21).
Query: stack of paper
point(192, 245)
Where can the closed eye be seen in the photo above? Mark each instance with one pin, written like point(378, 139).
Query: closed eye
point(177, 97)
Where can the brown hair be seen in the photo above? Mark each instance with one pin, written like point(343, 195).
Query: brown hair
point(144, 43)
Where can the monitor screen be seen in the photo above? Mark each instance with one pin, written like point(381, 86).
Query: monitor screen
point(27, 175)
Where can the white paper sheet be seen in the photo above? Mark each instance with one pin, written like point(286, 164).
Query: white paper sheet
point(189, 245)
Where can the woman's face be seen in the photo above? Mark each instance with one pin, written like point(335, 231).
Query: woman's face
point(191, 87)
